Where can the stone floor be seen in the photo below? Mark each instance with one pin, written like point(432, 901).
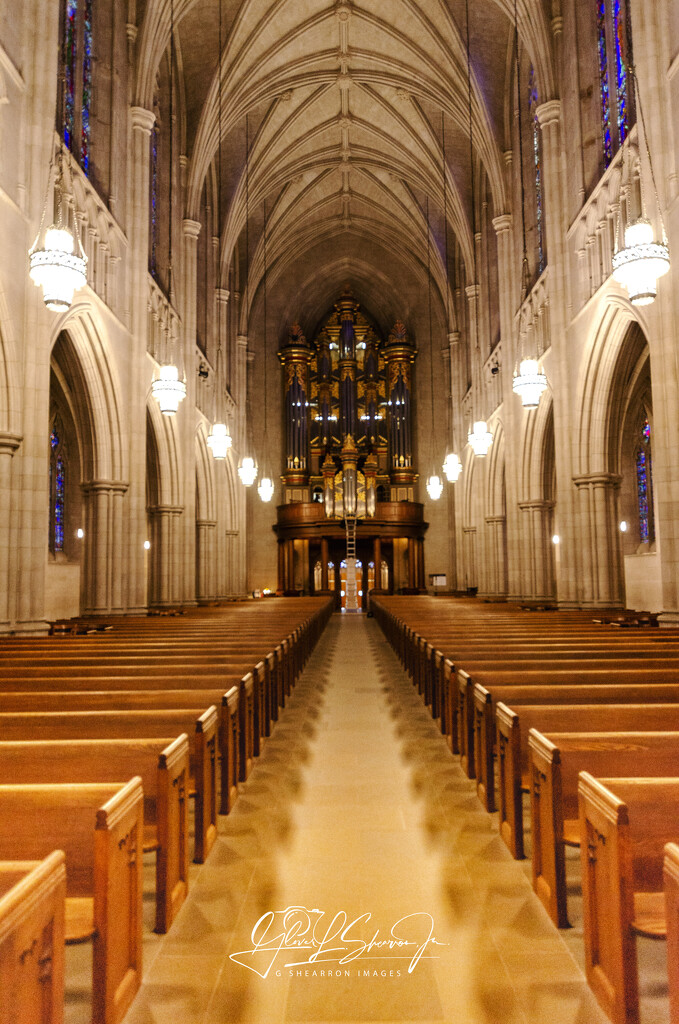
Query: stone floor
point(356, 824)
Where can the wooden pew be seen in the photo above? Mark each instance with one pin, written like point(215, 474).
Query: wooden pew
point(556, 759)
point(625, 825)
point(584, 673)
point(671, 882)
point(513, 728)
point(100, 827)
point(32, 921)
point(162, 765)
point(202, 733)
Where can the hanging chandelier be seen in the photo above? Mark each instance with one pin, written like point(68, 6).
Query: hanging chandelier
point(529, 380)
point(247, 471)
point(642, 261)
point(452, 467)
point(59, 264)
point(265, 488)
point(219, 440)
point(168, 388)
point(434, 487)
point(639, 265)
point(529, 383)
point(480, 439)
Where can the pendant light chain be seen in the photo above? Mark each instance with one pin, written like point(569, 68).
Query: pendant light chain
point(452, 467)
point(219, 439)
point(266, 485)
point(434, 485)
point(169, 264)
point(637, 97)
point(524, 262)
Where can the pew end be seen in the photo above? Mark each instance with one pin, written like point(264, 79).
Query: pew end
point(32, 939)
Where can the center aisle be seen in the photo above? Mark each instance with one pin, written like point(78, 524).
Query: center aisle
point(357, 808)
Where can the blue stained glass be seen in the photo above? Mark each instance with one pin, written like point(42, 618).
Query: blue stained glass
point(620, 71)
point(87, 88)
point(646, 432)
point(533, 106)
point(604, 83)
point(59, 507)
point(642, 494)
point(54, 440)
point(70, 49)
point(154, 200)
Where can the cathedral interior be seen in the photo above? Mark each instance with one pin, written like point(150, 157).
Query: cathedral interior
point(340, 299)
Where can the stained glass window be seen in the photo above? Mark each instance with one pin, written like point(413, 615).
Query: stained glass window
point(537, 167)
point(645, 485)
point(614, 48)
point(604, 81)
point(57, 491)
point(87, 88)
point(153, 240)
point(77, 79)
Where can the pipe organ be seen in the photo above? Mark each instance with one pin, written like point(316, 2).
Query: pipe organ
point(348, 452)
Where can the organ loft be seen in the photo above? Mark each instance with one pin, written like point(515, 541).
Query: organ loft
point(350, 521)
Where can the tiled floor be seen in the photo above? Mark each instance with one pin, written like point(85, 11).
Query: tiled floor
point(357, 815)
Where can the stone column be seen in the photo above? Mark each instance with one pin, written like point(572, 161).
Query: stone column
point(496, 552)
point(602, 571)
point(325, 557)
point(419, 545)
point(206, 530)
point(539, 583)
point(8, 445)
point(570, 567)
point(164, 523)
point(281, 566)
point(138, 374)
point(412, 563)
point(187, 421)
point(469, 578)
point(377, 559)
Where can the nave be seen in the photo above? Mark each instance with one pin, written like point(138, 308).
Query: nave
point(357, 805)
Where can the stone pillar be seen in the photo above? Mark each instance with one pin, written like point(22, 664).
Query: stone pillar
point(539, 583)
point(325, 557)
point(496, 552)
point(469, 578)
point(281, 567)
point(186, 423)
point(138, 373)
point(570, 567)
point(101, 591)
point(206, 533)
point(412, 563)
point(289, 565)
point(602, 572)
point(164, 561)
point(8, 445)
point(377, 559)
point(419, 544)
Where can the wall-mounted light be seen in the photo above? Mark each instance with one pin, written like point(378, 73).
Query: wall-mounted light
point(556, 539)
point(80, 533)
point(147, 545)
point(623, 526)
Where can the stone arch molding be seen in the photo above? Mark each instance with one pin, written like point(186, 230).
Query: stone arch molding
point(537, 428)
point(612, 341)
point(96, 395)
point(169, 461)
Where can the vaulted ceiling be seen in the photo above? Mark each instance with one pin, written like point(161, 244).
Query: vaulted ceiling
point(346, 102)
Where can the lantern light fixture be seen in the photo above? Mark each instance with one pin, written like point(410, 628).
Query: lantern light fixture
point(452, 467)
point(168, 389)
point(639, 265)
point(59, 264)
point(642, 261)
point(434, 487)
point(529, 383)
point(266, 488)
point(480, 439)
point(247, 471)
point(219, 440)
